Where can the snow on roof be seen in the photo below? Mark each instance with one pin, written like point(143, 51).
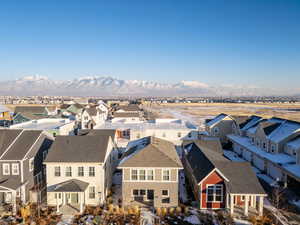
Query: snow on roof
point(280, 158)
point(284, 130)
point(295, 144)
point(3, 109)
point(252, 130)
point(294, 169)
point(216, 119)
point(42, 124)
point(251, 123)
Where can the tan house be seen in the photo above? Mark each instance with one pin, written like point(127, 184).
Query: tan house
point(150, 174)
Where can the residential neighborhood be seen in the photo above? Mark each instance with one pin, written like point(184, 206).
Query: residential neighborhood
point(85, 156)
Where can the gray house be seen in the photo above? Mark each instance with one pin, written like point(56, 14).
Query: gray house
point(22, 178)
point(150, 174)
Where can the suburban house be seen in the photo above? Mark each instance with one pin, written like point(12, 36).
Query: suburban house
point(127, 117)
point(103, 107)
point(271, 145)
point(54, 126)
point(22, 177)
point(150, 174)
point(218, 183)
point(73, 110)
point(131, 108)
point(79, 170)
point(91, 117)
point(27, 113)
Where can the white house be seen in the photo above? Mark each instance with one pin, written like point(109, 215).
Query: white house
point(91, 117)
point(79, 170)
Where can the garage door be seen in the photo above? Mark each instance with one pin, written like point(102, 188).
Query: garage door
point(247, 155)
point(258, 163)
point(274, 172)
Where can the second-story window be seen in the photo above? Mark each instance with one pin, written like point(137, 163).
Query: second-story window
point(166, 175)
point(142, 174)
point(15, 169)
point(6, 169)
point(150, 175)
point(91, 171)
point(264, 145)
point(31, 164)
point(134, 174)
point(57, 171)
point(80, 171)
point(68, 171)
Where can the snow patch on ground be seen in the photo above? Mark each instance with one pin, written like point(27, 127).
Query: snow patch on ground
point(193, 219)
point(241, 222)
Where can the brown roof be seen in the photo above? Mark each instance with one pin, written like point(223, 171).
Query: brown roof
point(91, 111)
point(156, 153)
point(88, 148)
point(130, 108)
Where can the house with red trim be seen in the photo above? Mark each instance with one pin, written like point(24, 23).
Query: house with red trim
point(218, 183)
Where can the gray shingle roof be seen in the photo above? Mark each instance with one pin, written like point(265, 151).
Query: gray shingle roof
point(203, 160)
point(88, 148)
point(72, 185)
point(7, 136)
point(12, 182)
point(157, 153)
point(22, 145)
point(98, 132)
point(126, 114)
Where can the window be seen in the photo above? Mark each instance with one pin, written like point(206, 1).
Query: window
point(31, 164)
point(81, 171)
point(57, 195)
point(135, 192)
point(189, 135)
point(142, 174)
point(134, 174)
point(68, 171)
point(166, 175)
point(57, 171)
point(150, 175)
point(91, 171)
point(165, 193)
point(264, 145)
point(243, 198)
point(252, 140)
point(92, 193)
point(216, 130)
point(179, 134)
point(214, 193)
point(165, 196)
point(6, 169)
point(273, 148)
point(15, 169)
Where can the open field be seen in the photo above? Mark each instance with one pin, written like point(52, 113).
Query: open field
point(198, 112)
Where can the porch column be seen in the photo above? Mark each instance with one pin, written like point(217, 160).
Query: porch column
point(57, 205)
point(14, 202)
point(254, 201)
point(261, 205)
point(227, 201)
point(81, 201)
point(63, 198)
point(231, 204)
point(246, 206)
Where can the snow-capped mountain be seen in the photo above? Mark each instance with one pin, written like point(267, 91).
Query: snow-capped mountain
point(108, 86)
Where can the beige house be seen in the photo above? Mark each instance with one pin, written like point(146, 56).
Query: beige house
point(79, 170)
point(150, 174)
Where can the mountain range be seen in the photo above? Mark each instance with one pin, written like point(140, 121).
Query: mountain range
point(109, 86)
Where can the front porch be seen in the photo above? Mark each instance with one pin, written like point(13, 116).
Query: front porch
point(246, 204)
point(69, 196)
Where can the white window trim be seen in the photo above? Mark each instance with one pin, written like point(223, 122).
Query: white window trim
point(214, 194)
point(138, 174)
point(59, 171)
point(163, 196)
point(17, 168)
point(94, 171)
point(93, 192)
point(162, 175)
point(31, 168)
point(3, 168)
point(67, 171)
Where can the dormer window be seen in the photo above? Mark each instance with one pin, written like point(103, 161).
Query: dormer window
point(15, 169)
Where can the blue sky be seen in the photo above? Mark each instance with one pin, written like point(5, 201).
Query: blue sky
point(255, 42)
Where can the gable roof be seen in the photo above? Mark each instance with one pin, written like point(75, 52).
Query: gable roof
point(129, 108)
point(72, 185)
point(284, 130)
point(91, 111)
point(22, 145)
point(7, 136)
point(252, 121)
point(88, 148)
point(98, 132)
point(268, 127)
point(216, 119)
point(156, 153)
point(204, 160)
point(31, 112)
